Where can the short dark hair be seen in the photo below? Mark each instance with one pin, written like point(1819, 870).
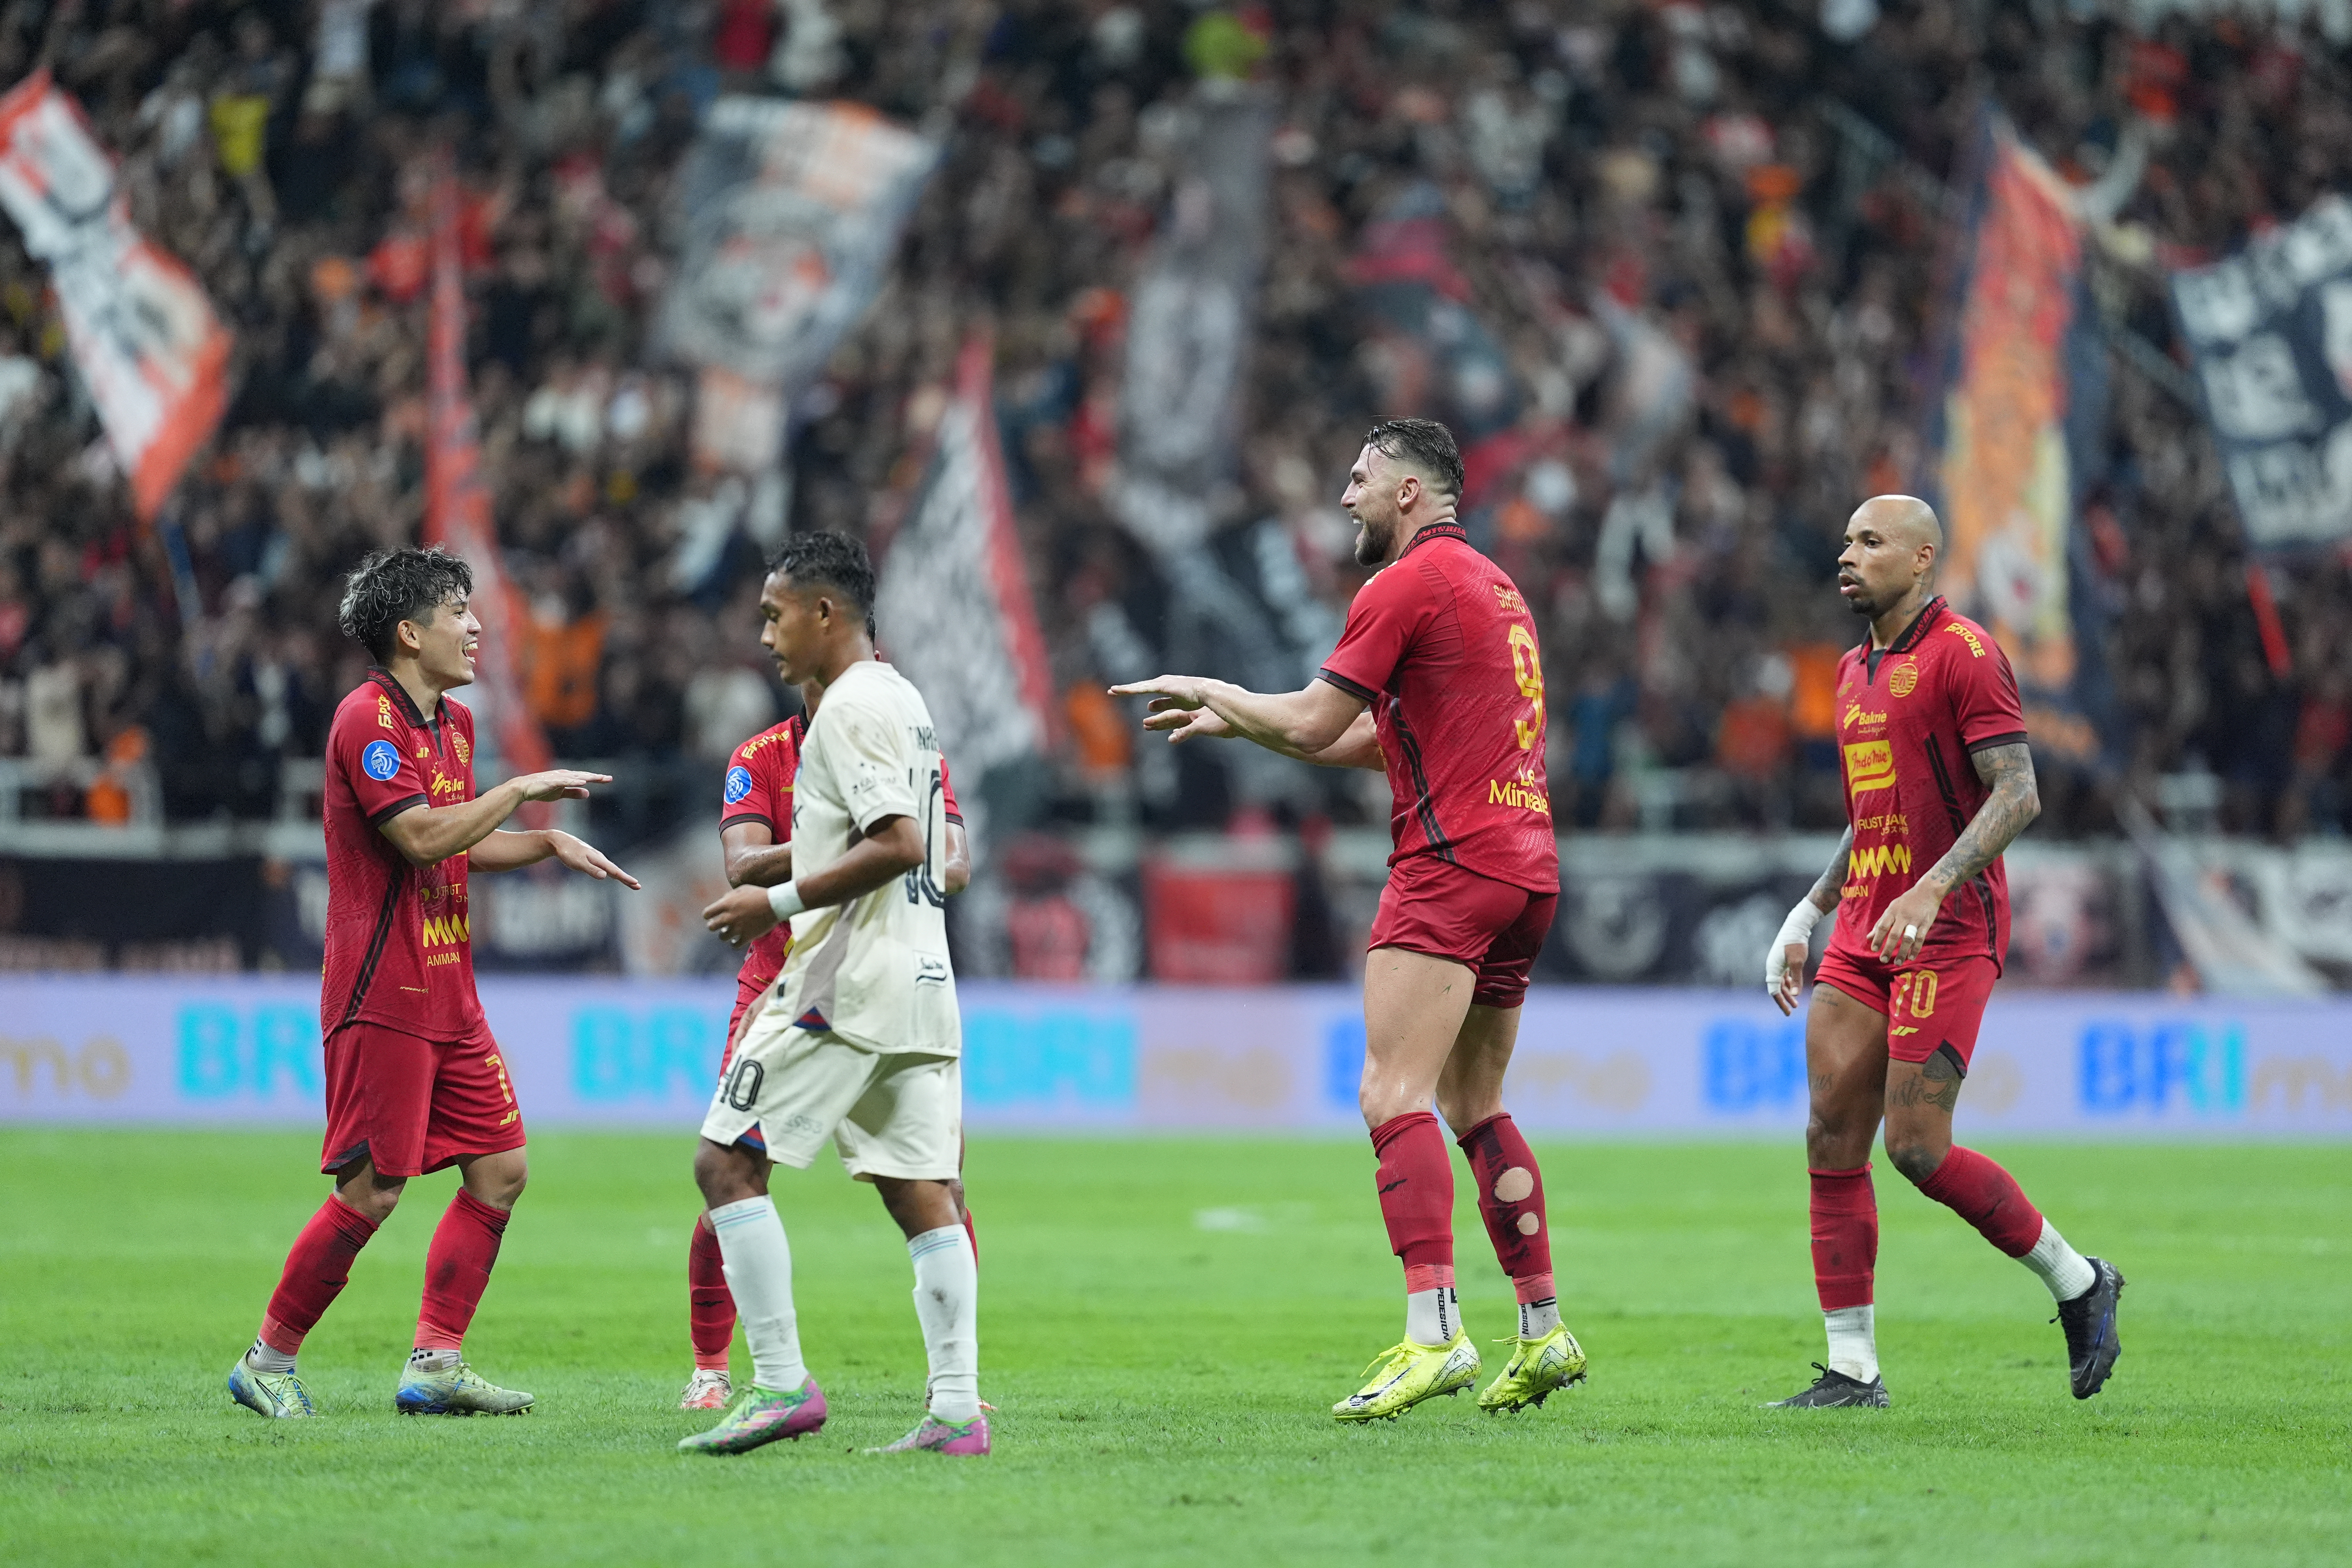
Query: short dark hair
point(395, 584)
point(830, 559)
point(1423, 442)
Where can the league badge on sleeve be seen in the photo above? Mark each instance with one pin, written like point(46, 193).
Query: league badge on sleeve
point(381, 760)
point(738, 783)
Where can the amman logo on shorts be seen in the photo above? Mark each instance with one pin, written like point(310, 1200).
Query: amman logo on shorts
point(1904, 679)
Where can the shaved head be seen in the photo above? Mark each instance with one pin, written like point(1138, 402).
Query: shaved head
point(1906, 518)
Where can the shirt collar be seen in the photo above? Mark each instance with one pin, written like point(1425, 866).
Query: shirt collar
point(1446, 529)
point(391, 683)
point(1919, 627)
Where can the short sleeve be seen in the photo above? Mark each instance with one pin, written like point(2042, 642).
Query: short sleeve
point(947, 793)
point(1985, 700)
point(747, 794)
point(867, 755)
point(375, 758)
point(1380, 627)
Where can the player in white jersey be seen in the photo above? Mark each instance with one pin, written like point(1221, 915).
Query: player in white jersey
point(860, 1041)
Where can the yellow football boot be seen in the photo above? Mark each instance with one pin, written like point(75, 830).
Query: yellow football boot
point(1537, 1368)
point(1406, 1373)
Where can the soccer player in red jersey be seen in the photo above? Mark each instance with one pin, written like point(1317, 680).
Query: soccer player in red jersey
point(1437, 681)
point(755, 831)
point(414, 1081)
point(1938, 781)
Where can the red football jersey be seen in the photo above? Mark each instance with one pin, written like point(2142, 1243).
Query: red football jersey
point(1443, 648)
point(1909, 719)
point(759, 789)
point(399, 951)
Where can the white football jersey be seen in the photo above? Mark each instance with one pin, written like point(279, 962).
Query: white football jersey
point(874, 971)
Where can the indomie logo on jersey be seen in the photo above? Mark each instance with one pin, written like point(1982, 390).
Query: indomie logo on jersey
point(738, 783)
point(1869, 764)
point(381, 760)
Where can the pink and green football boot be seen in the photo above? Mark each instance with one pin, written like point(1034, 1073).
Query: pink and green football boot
point(763, 1415)
point(968, 1439)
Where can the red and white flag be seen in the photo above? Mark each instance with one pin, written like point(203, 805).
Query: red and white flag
point(457, 505)
point(153, 354)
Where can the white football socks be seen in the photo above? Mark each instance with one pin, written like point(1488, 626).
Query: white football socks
point(1854, 1342)
point(946, 1303)
point(760, 1276)
point(2066, 1271)
point(261, 1358)
point(1537, 1319)
point(1432, 1317)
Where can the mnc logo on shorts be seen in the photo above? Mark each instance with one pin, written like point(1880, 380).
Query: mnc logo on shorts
point(738, 783)
point(381, 760)
point(1869, 764)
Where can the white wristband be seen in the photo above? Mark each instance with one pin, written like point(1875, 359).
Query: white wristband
point(1797, 930)
point(785, 900)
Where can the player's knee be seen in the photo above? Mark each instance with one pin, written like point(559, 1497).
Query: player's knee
point(1915, 1157)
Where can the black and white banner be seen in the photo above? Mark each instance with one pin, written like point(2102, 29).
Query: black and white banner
point(953, 606)
point(2270, 330)
point(791, 212)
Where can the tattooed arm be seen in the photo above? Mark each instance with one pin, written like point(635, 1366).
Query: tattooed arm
point(2014, 802)
point(1784, 965)
point(1824, 895)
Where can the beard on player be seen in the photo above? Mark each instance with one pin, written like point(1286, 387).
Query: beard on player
point(1373, 535)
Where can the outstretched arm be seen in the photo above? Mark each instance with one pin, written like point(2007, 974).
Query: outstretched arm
point(503, 851)
point(428, 834)
point(2015, 801)
point(1359, 747)
point(1302, 723)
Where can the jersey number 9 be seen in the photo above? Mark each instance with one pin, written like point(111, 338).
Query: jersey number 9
point(1528, 670)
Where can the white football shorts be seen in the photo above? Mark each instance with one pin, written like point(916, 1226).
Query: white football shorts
point(898, 1114)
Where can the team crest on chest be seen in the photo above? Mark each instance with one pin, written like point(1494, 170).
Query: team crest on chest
point(1904, 679)
point(465, 752)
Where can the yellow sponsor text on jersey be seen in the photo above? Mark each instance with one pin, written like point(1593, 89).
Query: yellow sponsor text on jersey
point(1517, 793)
point(445, 931)
point(1869, 764)
point(1875, 858)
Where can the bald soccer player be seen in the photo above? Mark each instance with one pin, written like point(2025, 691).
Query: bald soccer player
point(1937, 783)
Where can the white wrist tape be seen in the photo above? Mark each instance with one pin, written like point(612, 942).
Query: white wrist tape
point(785, 900)
point(1797, 930)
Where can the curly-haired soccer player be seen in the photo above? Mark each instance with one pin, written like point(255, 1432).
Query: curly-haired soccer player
point(414, 1081)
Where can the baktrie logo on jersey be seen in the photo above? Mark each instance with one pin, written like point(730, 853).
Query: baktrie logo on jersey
point(738, 783)
point(1869, 764)
point(442, 783)
point(1857, 717)
point(1904, 679)
point(379, 761)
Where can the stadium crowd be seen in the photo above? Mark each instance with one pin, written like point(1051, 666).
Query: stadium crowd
point(1712, 242)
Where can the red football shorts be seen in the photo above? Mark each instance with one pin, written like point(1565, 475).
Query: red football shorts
point(1929, 1002)
point(747, 992)
point(1433, 906)
point(413, 1105)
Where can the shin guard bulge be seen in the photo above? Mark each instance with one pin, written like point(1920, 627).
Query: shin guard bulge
point(458, 1270)
point(1511, 1202)
point(1416, 1187)
point(316, 1268)
point(710, 1305)
point(1989, 1199)
point(1845, 1237)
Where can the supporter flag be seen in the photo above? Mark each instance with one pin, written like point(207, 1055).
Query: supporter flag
point(142, 334)
point(791, 212)
point(953, 604)
point(2270, 332)
point(1188, 334)
point(458, 509)
point(2020, 430)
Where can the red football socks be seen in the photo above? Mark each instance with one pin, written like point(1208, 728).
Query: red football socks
point(316, 1272)
point(1845, 1237)
point(1416, 1182)
point(1511, 1202)
point(710, 1305)
point(1989, 1199)
point(458, 1270)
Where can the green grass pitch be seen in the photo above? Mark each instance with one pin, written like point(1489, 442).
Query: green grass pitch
point(1164, 1324)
